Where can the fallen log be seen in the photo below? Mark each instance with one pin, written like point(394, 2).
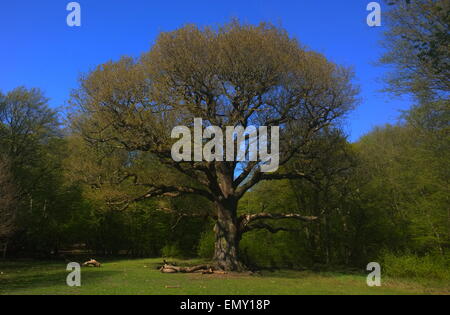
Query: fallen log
point(92, 263)
point(204, 269)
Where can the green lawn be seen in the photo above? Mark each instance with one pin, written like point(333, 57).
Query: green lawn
point(141, 277)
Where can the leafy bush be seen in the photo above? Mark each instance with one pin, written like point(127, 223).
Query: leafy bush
point(412, 266)
point(206, 245)
point(263, 249)
point(172, 250)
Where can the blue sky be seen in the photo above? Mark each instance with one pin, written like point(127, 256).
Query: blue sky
point(38, 49)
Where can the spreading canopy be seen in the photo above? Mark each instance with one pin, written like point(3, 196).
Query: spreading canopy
point(234, 76)
point(237, 75)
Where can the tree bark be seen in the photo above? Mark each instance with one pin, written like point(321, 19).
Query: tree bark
point(228, 236)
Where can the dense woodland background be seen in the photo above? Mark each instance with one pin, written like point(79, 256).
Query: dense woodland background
point(383, 198)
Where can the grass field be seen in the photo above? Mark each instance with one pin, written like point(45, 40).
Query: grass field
point(142, 277)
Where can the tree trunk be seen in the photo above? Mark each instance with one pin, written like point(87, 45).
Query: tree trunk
point(5, 249)
point(228, 236)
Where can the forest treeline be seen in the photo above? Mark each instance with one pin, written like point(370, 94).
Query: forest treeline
point(385, 195)
point(388, 191)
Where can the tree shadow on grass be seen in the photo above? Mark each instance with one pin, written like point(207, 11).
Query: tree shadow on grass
point(15, 283)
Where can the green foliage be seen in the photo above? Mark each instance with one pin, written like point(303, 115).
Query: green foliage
point(434, 267)
point(171, 250)
point(8, 204)
point(408, 180)
point(282, 250)
point(392, 195)
point(334, 239)
point(48, 208)
point(417, 48)
point(206, 245)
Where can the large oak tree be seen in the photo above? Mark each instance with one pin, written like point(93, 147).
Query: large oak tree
point(234, 75)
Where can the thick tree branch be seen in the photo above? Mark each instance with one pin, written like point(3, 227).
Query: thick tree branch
point(163, 191)
point(264, 226)
point(246, 220)
point(259, 176)
point(173, 191)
